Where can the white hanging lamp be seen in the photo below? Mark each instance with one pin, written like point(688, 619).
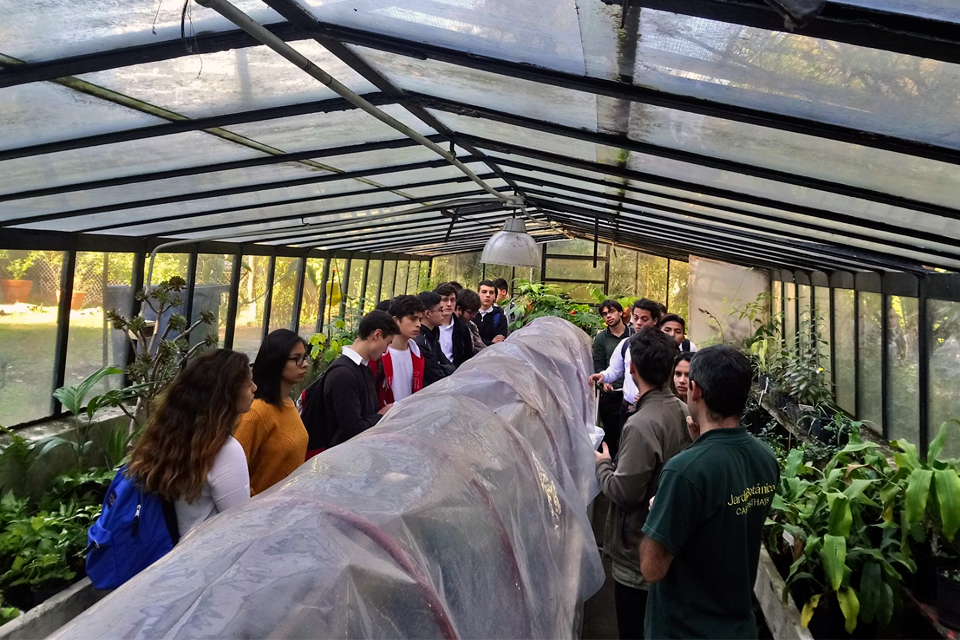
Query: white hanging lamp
point(513, 246)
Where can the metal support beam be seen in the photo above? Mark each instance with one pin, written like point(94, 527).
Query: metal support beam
point(363, 286)
point(233, 302)
point(191, 285)
point(345, 287)
point(67, 270)
point(298, 294)
point(322, 295)
point(268, 298)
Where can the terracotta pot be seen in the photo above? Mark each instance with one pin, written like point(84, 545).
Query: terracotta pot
point(15, 290)
point(76, 300)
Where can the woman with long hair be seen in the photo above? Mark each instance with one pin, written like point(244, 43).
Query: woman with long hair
point(272, 434)
point(681, 374)
point(187, 453)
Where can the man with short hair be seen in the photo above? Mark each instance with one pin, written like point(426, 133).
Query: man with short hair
point(435, 364)
point(349, 394)
point(503, 293)
point(493, 322)
point(503, 289)
point(604, 345)
point(399, 373)
point(651, 436)
point(468, 304)
point(702, 536)
point(675, 327)
point(646, 313)
point(455, 340)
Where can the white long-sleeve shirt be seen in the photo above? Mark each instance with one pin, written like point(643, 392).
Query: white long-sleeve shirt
point(227, 484)
point(620, 364)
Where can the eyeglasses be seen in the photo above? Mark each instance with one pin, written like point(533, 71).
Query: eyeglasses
point(300, 360)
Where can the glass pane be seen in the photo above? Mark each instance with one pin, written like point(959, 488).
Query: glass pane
point(679, 301)
point(212, 294)
point(310, 309)
point(468, 269)
point(570, 248)
point(845, 84)
point(946, 10)
point(190, 149)
point(28, 333)
point(252, 294)
point(546, 34)
point(388, 283)
point(356, 292)
point(576, 292)
point(229, 81)
point(567, 269)
point(102, 281)
point(413, 276)
point(869, 389)
point(62, 28)
point(284, 286)
point(423, 280)
point(331, 309)
point(822, 303)
point(903, 386)
point(400, 288)
point(623, 272)
point(846, 391)
point(790, 317)
point(943, 351)
point(806, 320)
point(372, 294)
point(45, 112)
point(339, 128)
point(444, 268)
point(165, 266)
point(486, 89)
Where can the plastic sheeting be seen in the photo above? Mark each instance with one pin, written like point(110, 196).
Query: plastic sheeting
point(461, 514)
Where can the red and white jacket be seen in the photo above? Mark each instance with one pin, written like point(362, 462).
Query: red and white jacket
point(383, 374)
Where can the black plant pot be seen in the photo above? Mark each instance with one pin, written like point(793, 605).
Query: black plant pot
point(948, 600)
point(755, 420)
point(924, 584)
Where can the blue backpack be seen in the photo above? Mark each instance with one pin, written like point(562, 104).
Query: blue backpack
point(134, 530)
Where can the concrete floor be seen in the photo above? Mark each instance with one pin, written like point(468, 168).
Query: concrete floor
point(599, 613)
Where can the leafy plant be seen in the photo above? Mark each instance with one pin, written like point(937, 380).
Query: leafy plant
point(838, 526)
point(158, 355)
point(74, 399)
point(536, 300)
point(16, 268)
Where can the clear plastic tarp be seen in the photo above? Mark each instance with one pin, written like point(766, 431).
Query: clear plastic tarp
point(462, 514)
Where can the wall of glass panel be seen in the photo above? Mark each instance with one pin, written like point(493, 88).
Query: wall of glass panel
point(869, 365)
point(372, 294)
point(790, 316)
point(845, 338)
point(334, 290)
point(389, 280)
point(310, 307)
point(102, 281)
point(804, 316)
point(903, 368)
point(943, 353)
point(822, 320)
point(284, 286)
point(251, 301)
point(355, 292)
point(212, 293)
point(400, 286)
point(29, 281)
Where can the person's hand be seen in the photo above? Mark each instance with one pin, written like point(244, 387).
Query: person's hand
point(595, 379)
point(607, 386)
point(693, 428)
point(603, 454)
point(385, 409)
point(497, 339)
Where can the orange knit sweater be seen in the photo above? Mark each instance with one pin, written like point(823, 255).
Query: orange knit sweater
point(274, 440)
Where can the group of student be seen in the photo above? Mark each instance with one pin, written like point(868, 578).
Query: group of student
point(689, 488)
point(225, 430)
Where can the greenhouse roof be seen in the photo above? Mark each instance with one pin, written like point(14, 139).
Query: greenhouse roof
point(688, 126)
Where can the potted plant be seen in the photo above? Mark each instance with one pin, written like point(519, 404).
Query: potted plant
point(14, 286)
point(948, 597)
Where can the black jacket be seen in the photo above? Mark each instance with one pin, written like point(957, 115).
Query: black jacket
point(435, 364)
point(462, 342)
point(344, 404)
point(492, 324)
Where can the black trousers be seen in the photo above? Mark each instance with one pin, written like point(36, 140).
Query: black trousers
point(631, 610)
point(609, 410)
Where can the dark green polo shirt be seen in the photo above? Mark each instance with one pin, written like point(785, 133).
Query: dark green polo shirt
point(603, 347)
point(709, 512)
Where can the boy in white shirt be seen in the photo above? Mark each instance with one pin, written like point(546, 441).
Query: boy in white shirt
point(399, 372)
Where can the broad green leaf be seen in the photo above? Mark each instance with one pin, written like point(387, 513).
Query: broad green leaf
point(885, 608)
point(850, 606)
point(794, 459)
point(72, 396)
point(834, 556)
point(947, 484)
point(918, 489)
point(853, 448)
point(808, 610)
point(870, 585)
point(856, 488)
point(936, 446)
point(907, 458)
point(840, 516)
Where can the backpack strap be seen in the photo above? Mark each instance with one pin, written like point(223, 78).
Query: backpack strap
point(170, 519)
point(623, 350)
point(685, 345)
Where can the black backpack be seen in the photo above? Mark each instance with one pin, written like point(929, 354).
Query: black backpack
point(313, 412)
